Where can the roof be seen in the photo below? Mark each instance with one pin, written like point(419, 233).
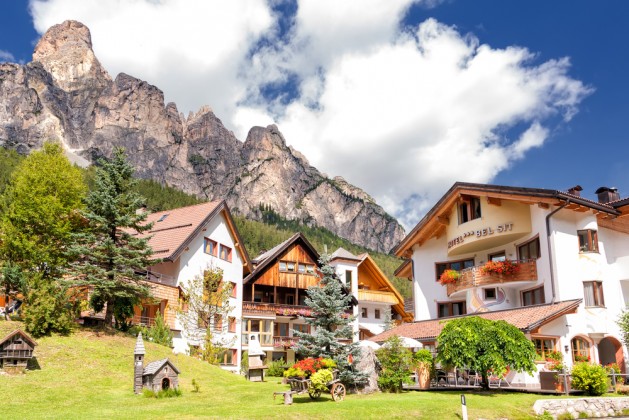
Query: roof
point(527, 319)
point(344, 254)
point(154, 367)
point(139, 345)
point(173, 230)
point(269, 257)
point(25, 337)
point(531, 195)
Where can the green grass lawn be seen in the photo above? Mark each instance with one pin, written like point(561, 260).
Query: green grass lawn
point(90, 375)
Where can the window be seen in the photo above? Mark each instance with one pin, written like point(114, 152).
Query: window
point(469, 210)
point(364, 313)
point(498, 256)
point(490, 294)
point(225, 253)
point(580, 349)
point(287, 266)
point(450, 309)
point(234, 287)
point(228, 357)
point(262, 326)
point(210, 247)
point(453, 265)
point(232, 325)
point(593, 293)
point(533, 297)
point(163, 217)
point(543, 346)
point(301, 268)
point(310, 269)
point(302, 328)
point(218, 322)
point(377, 313)
point(348, 278)
point(281, 329)
point(529, 250)
point(289, 299)
point(588, 240)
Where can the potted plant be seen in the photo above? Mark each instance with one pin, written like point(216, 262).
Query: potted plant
point(578, 358)
point(449, 276)
point(550, 378)
point(503, 268)
point(423, 364)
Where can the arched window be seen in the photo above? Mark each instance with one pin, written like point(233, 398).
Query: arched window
point(580, 350)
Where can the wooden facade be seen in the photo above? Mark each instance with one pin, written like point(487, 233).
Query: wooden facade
point(165, 299)
point(16, 349)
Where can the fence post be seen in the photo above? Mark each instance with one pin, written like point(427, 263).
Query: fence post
point(613, 378)
point(565, 382)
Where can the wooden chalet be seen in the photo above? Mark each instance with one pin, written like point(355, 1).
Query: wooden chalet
point(16, 349)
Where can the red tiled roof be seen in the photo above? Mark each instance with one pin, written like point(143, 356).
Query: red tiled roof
point(527, 319)
point(172, 228)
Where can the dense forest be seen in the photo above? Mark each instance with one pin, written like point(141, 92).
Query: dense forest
point(256, 235)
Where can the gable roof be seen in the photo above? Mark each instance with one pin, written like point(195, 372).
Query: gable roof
point(25, 337)
point(154, 367)
point(269, 257)
point(427, 225)
point(368, 263)
point(344, 254)
point(173, 230)
point(526, 318)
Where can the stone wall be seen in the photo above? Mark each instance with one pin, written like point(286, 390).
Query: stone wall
point(592, 407)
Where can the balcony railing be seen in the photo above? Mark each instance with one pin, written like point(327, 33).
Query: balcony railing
point(474, 277)
point(158, 278)
point(143, 320)
point(377, 296)
point(281, 341)
point(258, 308)
point(10, 354)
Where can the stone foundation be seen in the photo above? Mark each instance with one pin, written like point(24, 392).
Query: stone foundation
point(592, 407)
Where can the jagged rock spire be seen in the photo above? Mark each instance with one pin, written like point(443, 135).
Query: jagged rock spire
point(139, 345)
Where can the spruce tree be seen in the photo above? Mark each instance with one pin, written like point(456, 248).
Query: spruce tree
point(110, 251)
point(330, 323)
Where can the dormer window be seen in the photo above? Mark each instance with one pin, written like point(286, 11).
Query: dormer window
point(469, 209)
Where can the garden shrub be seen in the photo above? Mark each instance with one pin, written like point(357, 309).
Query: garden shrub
point(320, 379)
point(590, 378)
point(622, 389)
point(396, 362)
point(162, 393)
point(160, 332)
point(306, 367)
point(276, 368)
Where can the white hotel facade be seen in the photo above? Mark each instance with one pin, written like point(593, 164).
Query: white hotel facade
point(573, 278)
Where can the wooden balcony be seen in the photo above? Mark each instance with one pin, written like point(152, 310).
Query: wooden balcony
point(376, 296)
point(143, 320)
point(259, 308)
point(158, 278)
point(474, 277)
point(281, 341)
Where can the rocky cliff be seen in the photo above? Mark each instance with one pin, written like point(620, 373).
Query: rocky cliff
point(65, 94)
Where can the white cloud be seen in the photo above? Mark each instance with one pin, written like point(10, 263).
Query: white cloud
point(402, 115)
point(6, 56)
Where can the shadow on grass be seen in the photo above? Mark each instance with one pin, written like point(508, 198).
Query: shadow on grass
point(33, 364)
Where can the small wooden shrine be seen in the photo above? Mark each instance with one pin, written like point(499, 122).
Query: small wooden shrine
point(16, 349)
point(157, 375)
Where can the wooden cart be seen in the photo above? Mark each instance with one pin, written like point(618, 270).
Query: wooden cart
point(302, 386)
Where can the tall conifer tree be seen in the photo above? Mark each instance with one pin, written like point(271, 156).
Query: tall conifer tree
point(110, 251)
point(330, 324)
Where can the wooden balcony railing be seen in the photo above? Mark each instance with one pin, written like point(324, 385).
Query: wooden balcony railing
point(10, 354)
point(158, 278)
point(143, 320)
point(258, 308)
point(377, 296)
point(281, 341)
point(474, 277)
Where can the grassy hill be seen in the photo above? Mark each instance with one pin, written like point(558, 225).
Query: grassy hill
point(89, 375)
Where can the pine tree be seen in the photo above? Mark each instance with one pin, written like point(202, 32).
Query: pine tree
point(330, 323)
point(110, 251)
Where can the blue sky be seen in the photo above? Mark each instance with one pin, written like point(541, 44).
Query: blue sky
point(400, 97)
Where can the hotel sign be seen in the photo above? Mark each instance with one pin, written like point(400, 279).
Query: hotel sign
point(479, 233)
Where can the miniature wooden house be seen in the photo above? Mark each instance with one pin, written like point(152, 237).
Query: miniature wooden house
point(16, 349)
point(158, 375)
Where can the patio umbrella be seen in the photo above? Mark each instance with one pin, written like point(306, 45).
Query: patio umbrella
point(370, 344)
point(411, 342)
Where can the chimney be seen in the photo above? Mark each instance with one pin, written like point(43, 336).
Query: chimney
point(576, 190)
point(607, 194)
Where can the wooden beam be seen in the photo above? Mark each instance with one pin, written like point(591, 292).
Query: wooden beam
point(543, 205)
point(444, 220)
point(494, 201)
